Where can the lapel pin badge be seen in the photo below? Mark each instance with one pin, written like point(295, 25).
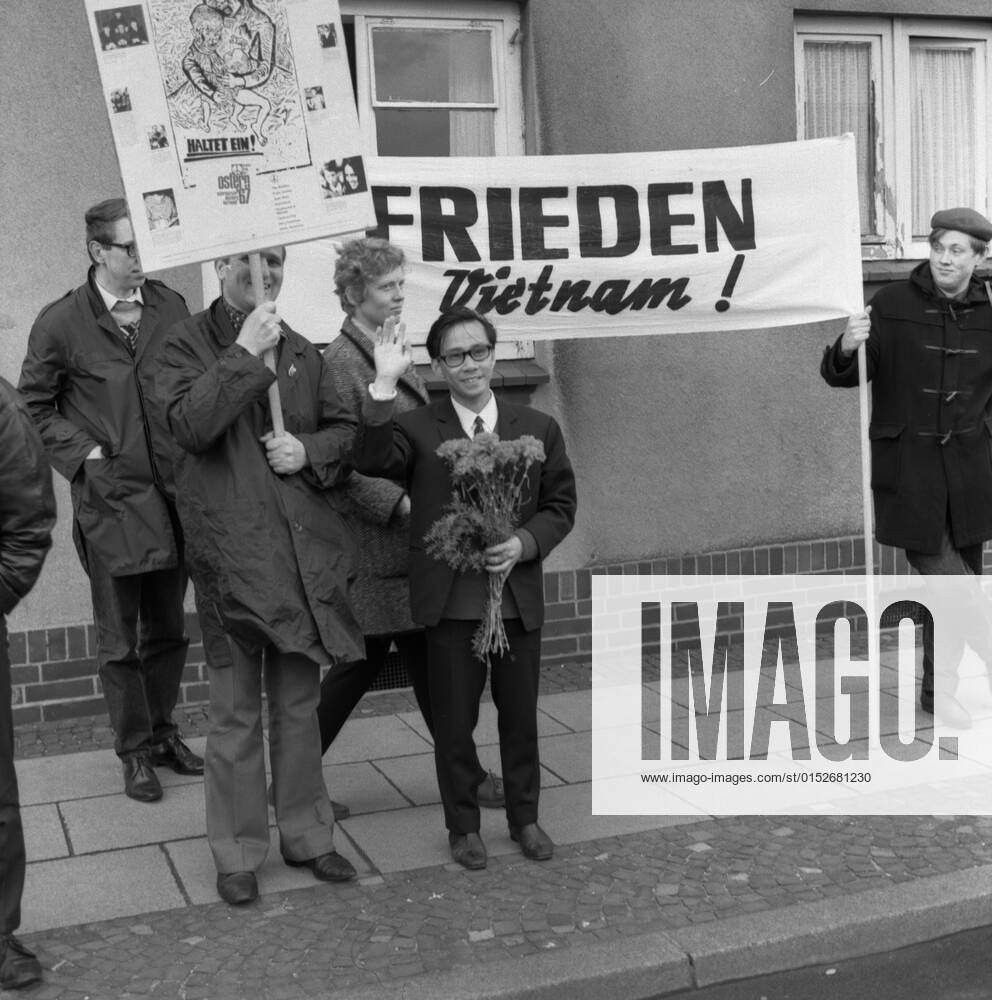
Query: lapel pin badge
point(292, 369)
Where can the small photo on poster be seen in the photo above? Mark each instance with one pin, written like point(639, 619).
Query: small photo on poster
point(120, 100)
point(314, 98)
point(160, 209)
point(121, 27)
point(158, 138)
point(347, 176)
point(328, 35)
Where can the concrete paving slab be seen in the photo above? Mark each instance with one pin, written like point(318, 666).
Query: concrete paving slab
point(69, 776)
point(194, 866)
point(362, 787)
point(860, 924)
point(79, 890)
point(381, 736)
point(416, 837)
point(567, 818)
point(570, 708)
point(115, 821)
point(568, 756)
point(487, 731)
point(44, 837)
point(414, 776)
point(85, 775)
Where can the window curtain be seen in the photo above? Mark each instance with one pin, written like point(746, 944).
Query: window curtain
point(942, 82)
point(470, 80)
point(838, 100)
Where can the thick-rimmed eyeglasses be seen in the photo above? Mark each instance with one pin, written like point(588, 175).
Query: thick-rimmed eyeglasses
point(455, 359)
point(131, 249)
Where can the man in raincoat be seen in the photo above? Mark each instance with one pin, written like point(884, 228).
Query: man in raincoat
point(88, 381)
point(271, 558)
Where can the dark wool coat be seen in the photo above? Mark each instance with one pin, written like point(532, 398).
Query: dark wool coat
point(84, 388)
point(406, 449)
point(380, 593)
point(27, 504)
point(930, 365)
point(270, 554)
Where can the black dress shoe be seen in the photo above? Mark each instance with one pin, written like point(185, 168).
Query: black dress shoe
point(534, 842)
point(491, 794)
point(140, 781)
point(18, 965)
point(331, 867)
point(175, 754)
point(237, 888)
point(468, 850)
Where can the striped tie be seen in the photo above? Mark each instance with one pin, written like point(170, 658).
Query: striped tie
point(127, 315)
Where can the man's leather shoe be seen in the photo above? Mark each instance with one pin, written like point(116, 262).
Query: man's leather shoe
point(237, 888)
point(490, 794)
point(946, 709)
point(533, 841)
point(140, 781)
point(174, 753)
point(468, 850)
point(19, 966)
point(331, 867)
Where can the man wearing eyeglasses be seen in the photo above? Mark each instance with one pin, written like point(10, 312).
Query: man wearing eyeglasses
point(403, 447)
point(88, 380)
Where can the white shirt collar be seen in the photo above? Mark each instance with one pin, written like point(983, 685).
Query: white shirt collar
point(466, 417)
point(111, 300)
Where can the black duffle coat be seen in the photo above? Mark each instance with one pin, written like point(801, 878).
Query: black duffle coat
point(930, 366)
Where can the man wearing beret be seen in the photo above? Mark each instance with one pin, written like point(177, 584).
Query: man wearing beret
point(929, 352)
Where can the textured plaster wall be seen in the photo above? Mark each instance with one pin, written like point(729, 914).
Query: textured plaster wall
point(688, 443)
point(56, 159)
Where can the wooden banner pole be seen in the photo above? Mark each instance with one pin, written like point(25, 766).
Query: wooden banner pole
point(865, 460)
point(269, 357)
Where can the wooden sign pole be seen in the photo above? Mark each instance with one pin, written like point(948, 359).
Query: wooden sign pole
point(269, 357)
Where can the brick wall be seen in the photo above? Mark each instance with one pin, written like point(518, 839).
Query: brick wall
point(54, 670)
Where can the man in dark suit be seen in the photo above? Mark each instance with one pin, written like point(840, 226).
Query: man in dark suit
point(461, 346)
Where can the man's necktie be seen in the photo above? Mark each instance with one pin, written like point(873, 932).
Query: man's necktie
point(127, 315)
point(478, 427)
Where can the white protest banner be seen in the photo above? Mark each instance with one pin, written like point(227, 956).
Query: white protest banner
point(234, 124)
point(626, 243)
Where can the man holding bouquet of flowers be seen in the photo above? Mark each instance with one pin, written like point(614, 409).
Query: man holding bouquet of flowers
point(451, 602)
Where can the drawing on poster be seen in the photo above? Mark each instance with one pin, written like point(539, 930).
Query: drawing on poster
point(121, 27)
point(230, 80)
point(160, 209)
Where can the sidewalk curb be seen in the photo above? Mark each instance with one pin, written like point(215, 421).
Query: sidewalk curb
point(648, 965)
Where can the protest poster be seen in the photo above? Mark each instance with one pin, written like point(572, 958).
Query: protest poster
point(234, 124)
point(615, 245)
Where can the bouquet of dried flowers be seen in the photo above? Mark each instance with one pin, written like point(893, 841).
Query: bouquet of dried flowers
point(489, 477)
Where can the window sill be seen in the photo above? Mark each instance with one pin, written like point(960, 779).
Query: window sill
point(880, 272)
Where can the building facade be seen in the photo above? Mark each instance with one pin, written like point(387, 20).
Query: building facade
point(715, 452)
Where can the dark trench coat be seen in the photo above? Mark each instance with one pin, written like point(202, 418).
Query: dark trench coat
point(84, 388)
point(930, 365)
point(270, 554)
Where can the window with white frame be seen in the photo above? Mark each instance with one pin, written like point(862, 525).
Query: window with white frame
point(437, 79)
point(915, 94)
